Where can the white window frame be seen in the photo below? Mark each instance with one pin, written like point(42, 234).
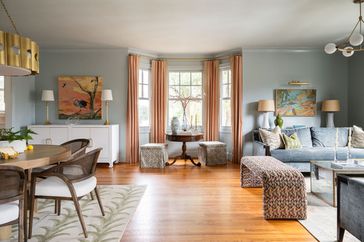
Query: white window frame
point(192, 70)
point(223, 129)
point(145, 129)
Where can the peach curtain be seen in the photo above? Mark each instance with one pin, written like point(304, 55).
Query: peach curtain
point(132, 119)
point(159, 102)
point(236, 108)
point(212, 100)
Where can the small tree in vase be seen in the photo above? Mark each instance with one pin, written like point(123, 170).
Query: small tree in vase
point(184, 100)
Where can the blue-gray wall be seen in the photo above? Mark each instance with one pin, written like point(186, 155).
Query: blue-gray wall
point(111, 64)
point(356, 89)
point(266, 70)
point(22, 107)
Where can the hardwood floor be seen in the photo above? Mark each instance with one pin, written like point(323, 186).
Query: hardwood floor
point(188, 203)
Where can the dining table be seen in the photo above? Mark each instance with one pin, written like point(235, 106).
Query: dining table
point(39, 156)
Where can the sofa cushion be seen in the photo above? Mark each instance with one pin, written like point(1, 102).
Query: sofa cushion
point(291, 142)
point(272, 138)
point(326, 137)
point(304, 154)
point(357, 139)
point(304, 135)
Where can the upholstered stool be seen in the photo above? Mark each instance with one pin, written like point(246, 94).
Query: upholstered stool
point(153, 155)
point(212, 153)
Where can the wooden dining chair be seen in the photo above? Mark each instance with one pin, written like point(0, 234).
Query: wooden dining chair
point(70, 180)
point(12, 185)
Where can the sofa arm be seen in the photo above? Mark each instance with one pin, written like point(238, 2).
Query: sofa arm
point(264, 147)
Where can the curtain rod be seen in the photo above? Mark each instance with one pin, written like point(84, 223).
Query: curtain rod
point(188, 58)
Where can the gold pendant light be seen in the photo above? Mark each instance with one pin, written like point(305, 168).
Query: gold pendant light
point(19, 56)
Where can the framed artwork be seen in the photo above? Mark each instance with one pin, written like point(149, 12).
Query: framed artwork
point(79, 97)
point(295, 102)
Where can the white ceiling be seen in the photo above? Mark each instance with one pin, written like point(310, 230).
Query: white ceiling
point(182, 26)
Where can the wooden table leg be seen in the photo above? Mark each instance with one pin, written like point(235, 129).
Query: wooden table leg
point(184, 156)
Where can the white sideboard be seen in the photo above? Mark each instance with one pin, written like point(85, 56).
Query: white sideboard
point(104, 136)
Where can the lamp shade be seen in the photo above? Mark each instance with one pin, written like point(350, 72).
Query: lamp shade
point(47, 95)
point(106, 95)
point(266, 106)
point(331, 106)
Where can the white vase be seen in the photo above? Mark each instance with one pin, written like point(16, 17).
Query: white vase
point(18, 145)
point(174, 125)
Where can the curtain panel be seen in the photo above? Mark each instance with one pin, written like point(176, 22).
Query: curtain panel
point(159, 101)
point(132, 118)
point(236, 108)
point(212, 100)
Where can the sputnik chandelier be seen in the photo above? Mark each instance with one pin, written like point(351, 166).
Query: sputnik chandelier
point(353, 43)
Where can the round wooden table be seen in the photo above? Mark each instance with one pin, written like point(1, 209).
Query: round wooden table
point(184, 138)
point(41, 155)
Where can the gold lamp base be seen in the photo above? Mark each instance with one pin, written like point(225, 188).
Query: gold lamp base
point(107, 122)
point(47, 122)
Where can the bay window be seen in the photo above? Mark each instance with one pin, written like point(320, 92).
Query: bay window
point(185, 88)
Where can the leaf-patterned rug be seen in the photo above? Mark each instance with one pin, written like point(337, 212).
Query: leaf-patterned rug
point(119, 202)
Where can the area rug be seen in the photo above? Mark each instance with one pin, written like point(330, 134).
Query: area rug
point(321, 221)
point(119, 202)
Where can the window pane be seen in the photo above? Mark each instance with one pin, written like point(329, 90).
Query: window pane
point(225, 90)
point(1, 82)
point(140, 90)
point(224, 77)
point(185, 91)
point(173, 91)
point(175, 110)
point(2, 101)
point(197, 91)
point(143, 113)
point(196, 78)
point(140, 76)
point(174, 78)
point(145, 91)
point(185, 78)
point(225, 113)
point(145, 76)
point(194, 109)
point(229, 76)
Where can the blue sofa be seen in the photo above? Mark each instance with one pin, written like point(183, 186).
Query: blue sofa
point(317, 144)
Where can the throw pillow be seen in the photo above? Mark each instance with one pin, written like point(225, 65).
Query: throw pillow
point(357, 138)
point(291, 142)
point(272, 138)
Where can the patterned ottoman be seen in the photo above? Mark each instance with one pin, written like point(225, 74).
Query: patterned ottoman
point(212, 153)
point(284, 187)
point(153, 155)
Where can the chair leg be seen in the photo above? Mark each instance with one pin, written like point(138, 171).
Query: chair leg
point(21, 224)
point(31, 214)
point(78, 209)
point(99, 201)
point(55, 206)
point(92, 196)
point(59, 206)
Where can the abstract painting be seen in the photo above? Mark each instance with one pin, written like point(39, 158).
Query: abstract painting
point(79, 97)
point(296, 102)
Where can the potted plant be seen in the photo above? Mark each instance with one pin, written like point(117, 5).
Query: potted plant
point(16, 139)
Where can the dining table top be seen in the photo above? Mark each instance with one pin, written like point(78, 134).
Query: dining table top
point(41, 155)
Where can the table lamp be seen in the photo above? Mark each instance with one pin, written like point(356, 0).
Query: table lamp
point(266, 106)
point(47, 96)
point(107, 97)
point(330, 106)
